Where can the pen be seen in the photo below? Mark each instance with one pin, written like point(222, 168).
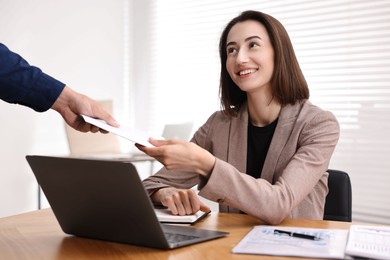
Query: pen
point(293, 234)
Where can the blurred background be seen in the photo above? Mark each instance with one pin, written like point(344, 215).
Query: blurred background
point(157, 61)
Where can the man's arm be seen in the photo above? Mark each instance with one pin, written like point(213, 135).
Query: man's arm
point(26, 85)
point(23, 84)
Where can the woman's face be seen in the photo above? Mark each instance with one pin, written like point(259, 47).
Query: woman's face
point(250, 56)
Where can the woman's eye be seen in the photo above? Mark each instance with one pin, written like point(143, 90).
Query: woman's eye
point(231, 50)
point(253, 44)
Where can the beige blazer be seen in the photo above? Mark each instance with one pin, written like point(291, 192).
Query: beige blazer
point(293, 180)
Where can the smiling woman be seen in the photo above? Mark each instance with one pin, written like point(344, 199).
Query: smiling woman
point(342, 48)
point(266, 153)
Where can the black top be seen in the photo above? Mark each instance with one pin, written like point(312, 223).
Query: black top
point(259, 140)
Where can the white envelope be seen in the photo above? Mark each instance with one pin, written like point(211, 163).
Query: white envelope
point(133, 135)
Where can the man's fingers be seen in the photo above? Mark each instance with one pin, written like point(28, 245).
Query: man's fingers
point(94, 129)
point(107, 118)
point(103, 131)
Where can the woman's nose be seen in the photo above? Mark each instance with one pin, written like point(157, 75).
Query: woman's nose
point(242, 56)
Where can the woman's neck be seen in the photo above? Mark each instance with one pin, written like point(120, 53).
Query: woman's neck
point(263, 110)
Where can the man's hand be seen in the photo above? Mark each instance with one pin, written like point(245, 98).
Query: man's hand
point(71, 104)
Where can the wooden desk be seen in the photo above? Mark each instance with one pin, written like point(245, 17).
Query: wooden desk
point(37, 235)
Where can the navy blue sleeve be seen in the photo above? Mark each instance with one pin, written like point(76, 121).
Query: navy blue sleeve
point(26, 85)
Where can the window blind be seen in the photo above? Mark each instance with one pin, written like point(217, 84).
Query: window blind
point(343, 47)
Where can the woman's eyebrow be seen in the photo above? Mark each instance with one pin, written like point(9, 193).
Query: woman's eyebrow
point(231, 43)
point(247, 39)
point(253, 37)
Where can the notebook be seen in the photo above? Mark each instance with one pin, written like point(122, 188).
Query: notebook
point(164, 215)
point(106, 200)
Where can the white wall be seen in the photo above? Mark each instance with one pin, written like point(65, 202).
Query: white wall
point(78, 42)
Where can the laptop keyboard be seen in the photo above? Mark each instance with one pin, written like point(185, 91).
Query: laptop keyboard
point(174, 238)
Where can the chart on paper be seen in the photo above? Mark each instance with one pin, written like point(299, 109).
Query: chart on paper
point(369, 241)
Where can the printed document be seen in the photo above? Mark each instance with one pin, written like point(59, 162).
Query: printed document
point(262, 240)
point(369, 241)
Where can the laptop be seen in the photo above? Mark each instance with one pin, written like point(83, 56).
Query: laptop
point(106, 200)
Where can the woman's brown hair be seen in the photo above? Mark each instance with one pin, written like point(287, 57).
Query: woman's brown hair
point(288, 85)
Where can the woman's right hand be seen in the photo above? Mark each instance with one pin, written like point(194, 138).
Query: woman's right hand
point(181, 155)
point(179, 201)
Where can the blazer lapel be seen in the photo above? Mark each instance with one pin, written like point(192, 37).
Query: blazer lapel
point(238, 139)
point(286, 122)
